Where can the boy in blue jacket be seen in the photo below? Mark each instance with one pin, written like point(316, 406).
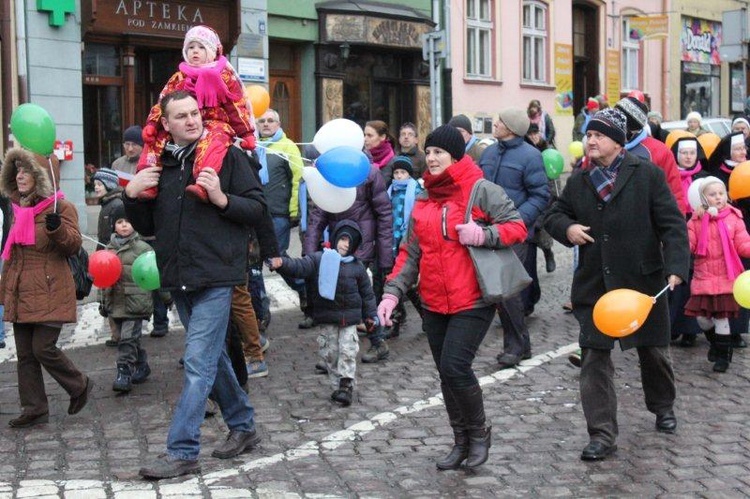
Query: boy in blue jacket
point(343, 297)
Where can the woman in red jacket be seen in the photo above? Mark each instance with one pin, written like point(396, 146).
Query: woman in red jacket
point(434, 250)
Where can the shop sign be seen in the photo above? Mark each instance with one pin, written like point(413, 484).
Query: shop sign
point(563, 79)
point(613, 74)
point(700, 41)
point(152, 17)
point(374, 30)
point(644, 27)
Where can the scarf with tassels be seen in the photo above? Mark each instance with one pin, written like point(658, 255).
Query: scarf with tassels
point(381, 154)
point(23, 230)
point(207, 84)
point(731, 258)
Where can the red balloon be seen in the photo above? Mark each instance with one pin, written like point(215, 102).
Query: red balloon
point(105, 268)
point(638, 95)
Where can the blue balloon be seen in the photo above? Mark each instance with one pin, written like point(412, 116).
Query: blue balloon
point(344, 166)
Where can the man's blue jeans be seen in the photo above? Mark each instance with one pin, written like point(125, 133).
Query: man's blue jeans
point(205, 314)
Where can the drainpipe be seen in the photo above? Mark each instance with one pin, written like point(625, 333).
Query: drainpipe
point(6, 70)
point(447, 68)
point(665, 63)
point(22, 52)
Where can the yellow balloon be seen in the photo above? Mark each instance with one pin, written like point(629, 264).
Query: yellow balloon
point(576, 149)
point(739, 181)
point(621, 312)
point(741, 289)
point(676, 134)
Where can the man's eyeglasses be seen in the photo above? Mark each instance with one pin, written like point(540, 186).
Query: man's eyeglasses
point(265, 120)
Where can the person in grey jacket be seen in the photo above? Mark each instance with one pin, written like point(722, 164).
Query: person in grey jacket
point(127, 304)
point(517, 167)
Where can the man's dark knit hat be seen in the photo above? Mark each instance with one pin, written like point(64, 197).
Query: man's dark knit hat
point(133, 134)
point(461, 121)
point(402, 162)
point(448, 138)
point(610, 122)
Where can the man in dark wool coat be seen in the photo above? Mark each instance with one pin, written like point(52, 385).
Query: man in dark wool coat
point(619, 211)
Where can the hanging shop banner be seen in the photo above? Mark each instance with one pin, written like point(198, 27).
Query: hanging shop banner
point(645, 27)
point(613, 75)
point(563, 79)
point(700, 41)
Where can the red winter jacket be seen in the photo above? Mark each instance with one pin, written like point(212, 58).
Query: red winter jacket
point(662, 157)
point(447, 282)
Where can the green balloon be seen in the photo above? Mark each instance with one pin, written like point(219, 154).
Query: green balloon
point(145, 272)
point(33, 128)
point(553, 163)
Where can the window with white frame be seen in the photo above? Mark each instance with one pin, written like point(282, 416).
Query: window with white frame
point(630, 57)
point(478, 38)
point(535, 36)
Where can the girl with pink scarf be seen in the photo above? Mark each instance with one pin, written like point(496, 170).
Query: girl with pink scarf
point(718, 239)
point(379, 146)
point(211, 78)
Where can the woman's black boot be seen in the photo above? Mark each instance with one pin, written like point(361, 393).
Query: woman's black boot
point(460, 450)
point(472, 405)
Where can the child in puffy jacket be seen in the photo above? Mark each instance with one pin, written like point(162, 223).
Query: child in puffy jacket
point(342, 299)
point(127, 305)
point(206, 73)
point(718, 238)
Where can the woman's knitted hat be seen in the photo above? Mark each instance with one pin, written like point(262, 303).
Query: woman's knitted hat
point(449, 139)
point(206, 37)
point(108, 177)
point(695, 115)
point(610, 122)
point(401, 162)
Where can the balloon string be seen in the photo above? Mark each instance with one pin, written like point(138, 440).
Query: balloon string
point(660, 293)
point(93, 240)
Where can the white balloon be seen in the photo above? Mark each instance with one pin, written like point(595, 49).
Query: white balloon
point(694, 194)
point(327, 196)
point(339, 132)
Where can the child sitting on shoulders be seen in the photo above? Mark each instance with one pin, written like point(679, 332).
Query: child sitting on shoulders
point(218, 90)
point(342, 299)
point(718, 238)
point(127, 305)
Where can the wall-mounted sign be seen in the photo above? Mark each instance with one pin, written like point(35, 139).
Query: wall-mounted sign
point(251, 69)
point(613, 75)
point(374, 30)
point(643, 27)
point(700, 41)
point(57, 10)
point(563, 79)
point(165, 18)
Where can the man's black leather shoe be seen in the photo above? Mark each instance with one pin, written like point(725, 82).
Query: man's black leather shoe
point(596, 451)
point(666, 423)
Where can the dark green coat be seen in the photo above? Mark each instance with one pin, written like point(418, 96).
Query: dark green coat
point(640, 239)
point(125, 300)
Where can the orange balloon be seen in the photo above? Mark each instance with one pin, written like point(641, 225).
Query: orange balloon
point(621, 312)
point(259, 99)
point(739, 181)
point(674, 135)
point(708, 142)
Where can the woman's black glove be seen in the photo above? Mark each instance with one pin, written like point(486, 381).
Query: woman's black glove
point(52, 221)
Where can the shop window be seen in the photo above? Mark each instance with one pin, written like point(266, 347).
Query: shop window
point(535, 34)
point(631, 58)
point(701, 89)
point(479, 28)
point(101, 60)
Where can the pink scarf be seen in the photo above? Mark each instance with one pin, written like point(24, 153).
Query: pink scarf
point(381, 154)
point(731, 258)
point(23, 230)
point(207, 84)
point(686, 176)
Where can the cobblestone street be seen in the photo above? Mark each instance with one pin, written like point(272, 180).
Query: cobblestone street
point(386, 443)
